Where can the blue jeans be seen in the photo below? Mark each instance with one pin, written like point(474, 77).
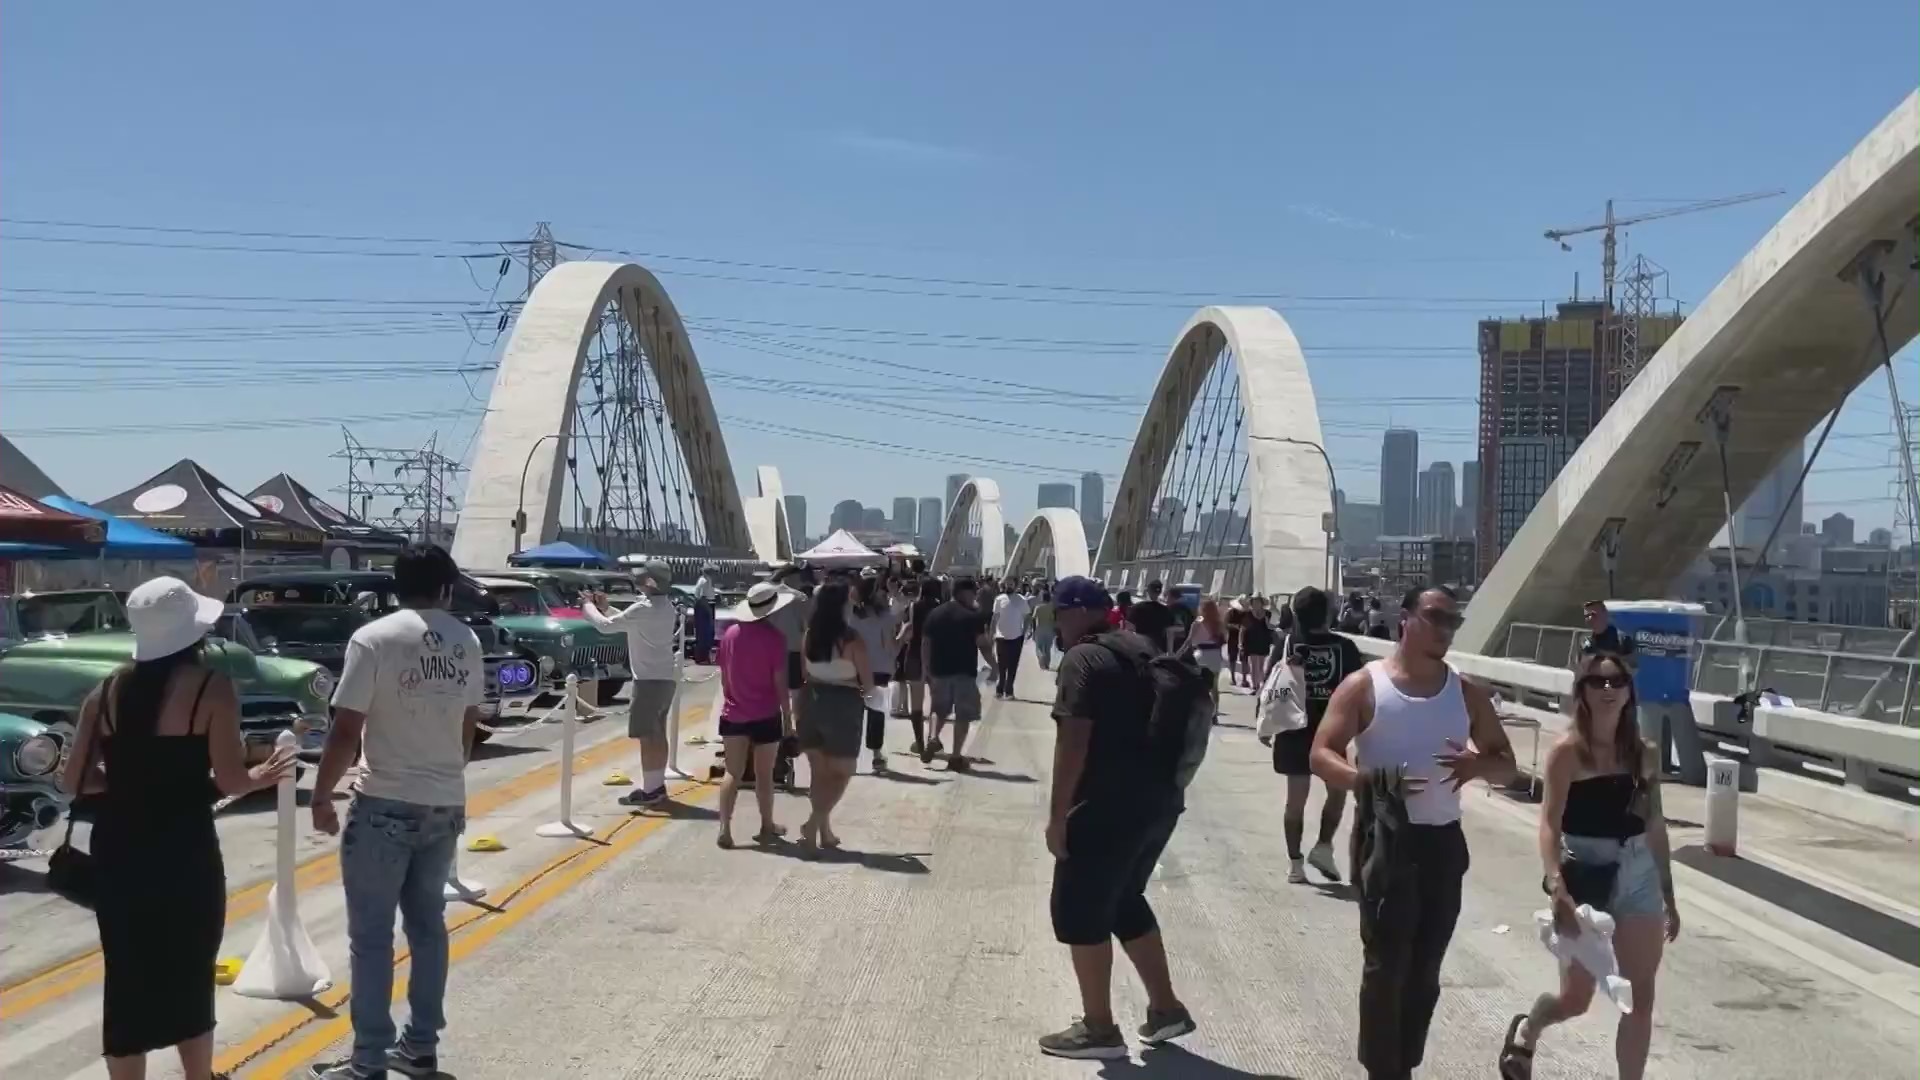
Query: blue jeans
point(396, 855)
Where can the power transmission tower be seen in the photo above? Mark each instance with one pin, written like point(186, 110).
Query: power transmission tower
point(411, 484)
point(1637, 302)
point(543, 254)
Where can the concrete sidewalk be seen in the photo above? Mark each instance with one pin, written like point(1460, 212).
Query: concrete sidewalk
point(925, 951)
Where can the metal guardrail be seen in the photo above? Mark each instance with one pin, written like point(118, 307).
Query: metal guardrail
point(1221, 575)
point(1878, 751)
point(1868, 686)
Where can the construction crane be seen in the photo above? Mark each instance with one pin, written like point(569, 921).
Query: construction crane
point(1607, 249)
point(1621, 347)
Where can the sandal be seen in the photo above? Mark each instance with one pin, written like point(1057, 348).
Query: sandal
point(1516, 1061)
point(725, 842)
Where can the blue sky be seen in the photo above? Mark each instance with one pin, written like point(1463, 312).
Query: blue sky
point(1412, 155)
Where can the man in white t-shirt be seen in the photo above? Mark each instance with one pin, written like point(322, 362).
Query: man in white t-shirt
point(1010, 611)
point(412, 690)
point(649, 623)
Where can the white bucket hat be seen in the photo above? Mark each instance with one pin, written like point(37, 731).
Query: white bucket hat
point(762, 600)
point(167, 616)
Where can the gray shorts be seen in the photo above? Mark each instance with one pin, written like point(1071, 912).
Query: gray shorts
point(831, 719)
point(647, 710)
point(956, 696)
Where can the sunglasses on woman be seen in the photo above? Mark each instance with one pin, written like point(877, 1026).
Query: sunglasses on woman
point(1605, 682)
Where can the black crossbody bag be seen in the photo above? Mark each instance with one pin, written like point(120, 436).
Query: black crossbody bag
point(70, 871)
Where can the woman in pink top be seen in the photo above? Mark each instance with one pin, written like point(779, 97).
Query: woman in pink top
point(755, 712)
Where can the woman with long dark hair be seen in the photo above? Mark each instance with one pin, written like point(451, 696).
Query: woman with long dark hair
point(832, 709)
point(159, 741)
point(1603, 842)
point(875, 620)
point(925, 595)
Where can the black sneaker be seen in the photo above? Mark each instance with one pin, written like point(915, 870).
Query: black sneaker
point(1170, 1024)
point(343, 1070)
point(1082, 1041)
point(406, 1062)
point(641, 797)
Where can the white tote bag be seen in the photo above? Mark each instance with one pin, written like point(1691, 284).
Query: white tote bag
point(902, 699)
point(1277, 706)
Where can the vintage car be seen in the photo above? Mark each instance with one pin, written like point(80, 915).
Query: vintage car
point(55, 647)
point(312, 613)
point(545, 623)
point(572, 585)
point(30, 797)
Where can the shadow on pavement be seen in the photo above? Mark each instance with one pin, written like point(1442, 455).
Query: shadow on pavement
point(902, 862)
point(1338, 890)
point(906, 777)
point(492, 749)
point(18, 880)
point(995, 774)
point(1178, 1063)
point(675, 810)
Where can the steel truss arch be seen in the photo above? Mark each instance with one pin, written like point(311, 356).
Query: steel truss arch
point(521, 453)
point(1781, 342)
point(1054, 543)
point(1287, 494)
point(976, 506)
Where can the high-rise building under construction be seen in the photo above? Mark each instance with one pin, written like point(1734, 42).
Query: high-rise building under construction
point(1544, 384)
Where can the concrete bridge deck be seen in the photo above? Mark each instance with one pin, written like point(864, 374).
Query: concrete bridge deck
point(925, 950)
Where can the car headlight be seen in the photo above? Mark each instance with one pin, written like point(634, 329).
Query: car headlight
point(546, 665)
point(566, 641)
point(37, 755)
point(321, 686)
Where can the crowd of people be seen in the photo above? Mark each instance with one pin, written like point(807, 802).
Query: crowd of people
point(813, 665)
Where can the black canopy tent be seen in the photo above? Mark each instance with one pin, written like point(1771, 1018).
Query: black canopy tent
point(295, 501)
point(187, 501)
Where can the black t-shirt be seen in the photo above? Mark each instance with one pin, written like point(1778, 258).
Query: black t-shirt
point(1608, 641)
point(1257, 635)
point(952, 632)
point(1097, 685)
point(1151, 619)
point(917, 617)
point(1236, 618)
point(1328, 659)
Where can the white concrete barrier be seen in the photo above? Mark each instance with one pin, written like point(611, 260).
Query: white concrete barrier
point(566, 827)
point(284, 965)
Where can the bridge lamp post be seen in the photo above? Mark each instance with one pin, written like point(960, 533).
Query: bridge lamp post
point(1332, 523)
point(520, 505)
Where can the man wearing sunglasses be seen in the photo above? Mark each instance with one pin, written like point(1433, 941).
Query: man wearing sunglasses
point(1419, 733)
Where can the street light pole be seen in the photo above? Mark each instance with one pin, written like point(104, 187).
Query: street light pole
point(520, 506)
point(1333, 500)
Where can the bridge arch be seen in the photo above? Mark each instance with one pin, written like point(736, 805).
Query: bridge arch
point(1054, 543)
point(1781, 341)
point(521, 453)
point(766, 511)
point(1280, 543)
point(974, 536)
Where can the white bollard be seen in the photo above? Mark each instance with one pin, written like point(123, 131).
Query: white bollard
point(1723, 805)
point(674, 772)
point(457, 887)
point(565, 827)
point(284, 965)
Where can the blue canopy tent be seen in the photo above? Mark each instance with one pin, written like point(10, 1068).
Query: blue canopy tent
point(560, 553)
point(125, 539)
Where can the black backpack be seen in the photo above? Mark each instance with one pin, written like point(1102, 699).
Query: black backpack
point(1180, 720)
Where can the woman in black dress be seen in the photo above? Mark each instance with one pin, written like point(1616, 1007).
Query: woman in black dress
point(158, 741)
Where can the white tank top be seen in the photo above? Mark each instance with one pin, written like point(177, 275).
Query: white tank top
point(838, 671)
point(1407, 732)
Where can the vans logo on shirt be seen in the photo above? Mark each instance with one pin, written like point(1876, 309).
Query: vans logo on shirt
point(442, 668)
point(432, 640)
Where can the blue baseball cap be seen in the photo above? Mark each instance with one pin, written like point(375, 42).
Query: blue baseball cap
point(1070, 593)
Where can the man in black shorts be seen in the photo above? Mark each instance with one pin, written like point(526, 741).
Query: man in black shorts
point(951, 637)
point(1113, 808)
point(1319, 660)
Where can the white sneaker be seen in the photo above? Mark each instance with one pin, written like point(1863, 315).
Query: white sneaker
point(1296, 872)
point(1321, 859)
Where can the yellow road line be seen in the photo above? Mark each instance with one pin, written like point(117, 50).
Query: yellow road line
point(329, 1024)
point(78, 972)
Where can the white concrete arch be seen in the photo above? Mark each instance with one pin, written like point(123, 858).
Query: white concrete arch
point(1788, 329)
point(521, 440)
point(985, 494)
point(767, 517)
point(1055, 543)
point(1289, 481)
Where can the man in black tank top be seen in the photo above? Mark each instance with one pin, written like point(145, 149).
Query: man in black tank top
point(1409, 856)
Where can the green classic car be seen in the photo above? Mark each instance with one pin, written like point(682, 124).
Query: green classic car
point(55, 647)
point(30, 796)
point(547, 624)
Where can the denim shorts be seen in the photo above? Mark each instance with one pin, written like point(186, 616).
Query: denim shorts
point(1636, 885)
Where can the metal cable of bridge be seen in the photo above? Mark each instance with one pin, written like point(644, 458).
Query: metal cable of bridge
point(1197, 512)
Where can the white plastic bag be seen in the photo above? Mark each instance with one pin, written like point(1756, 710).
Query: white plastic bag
point(1591, 948)
point(902, 699)
point(1277, 705)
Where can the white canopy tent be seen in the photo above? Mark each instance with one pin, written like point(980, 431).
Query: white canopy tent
point(839, 551)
